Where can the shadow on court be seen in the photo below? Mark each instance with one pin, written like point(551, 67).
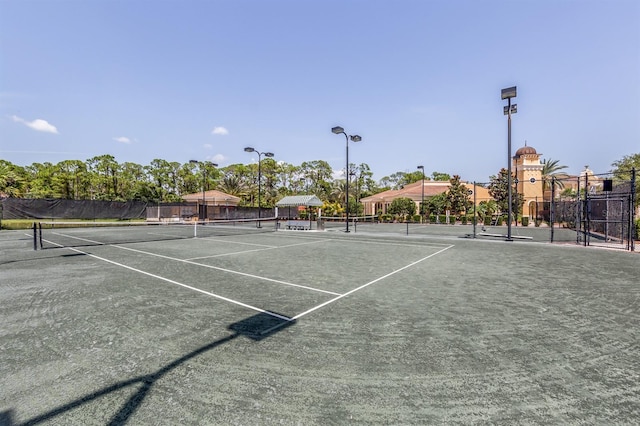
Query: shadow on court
point(256, 327)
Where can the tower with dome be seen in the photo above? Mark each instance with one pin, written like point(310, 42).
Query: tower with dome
point(528, 172)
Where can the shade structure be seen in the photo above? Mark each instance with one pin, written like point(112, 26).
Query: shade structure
point(300, 200)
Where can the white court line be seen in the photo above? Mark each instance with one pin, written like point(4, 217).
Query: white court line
point(211, 239)
point(373, 241)
point(251, 251)
point(217, 296)
point(162, 234)
point(205, 266)
point(368, 284)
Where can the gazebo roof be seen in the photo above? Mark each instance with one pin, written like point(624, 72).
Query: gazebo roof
point(300, 200)
point(212, 195)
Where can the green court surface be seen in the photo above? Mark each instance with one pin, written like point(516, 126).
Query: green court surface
point(306, 327)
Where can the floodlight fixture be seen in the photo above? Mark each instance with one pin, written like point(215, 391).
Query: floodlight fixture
point(354, 138)
point(509, 92)
point(260, 154)
point(201, 164)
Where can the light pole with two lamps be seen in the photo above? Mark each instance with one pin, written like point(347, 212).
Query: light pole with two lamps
point(203, 166)
point(509, 109)
point(422, 202)
point(260, 154)
point(354, 138)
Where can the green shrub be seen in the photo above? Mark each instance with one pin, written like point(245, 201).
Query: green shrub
point(499, 223)
point(417, 218)
point(487, 220)
point(525, 221)
point(432, 218)
point(385, 218)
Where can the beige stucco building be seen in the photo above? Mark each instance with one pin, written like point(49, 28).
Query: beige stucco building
point(379, 203)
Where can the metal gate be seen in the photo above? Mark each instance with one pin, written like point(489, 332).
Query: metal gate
point(607, 220)
point(601, 214)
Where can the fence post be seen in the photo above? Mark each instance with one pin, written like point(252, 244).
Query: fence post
point(35, 236)
point(551, 204)
point(475, 213)
point(632, 228)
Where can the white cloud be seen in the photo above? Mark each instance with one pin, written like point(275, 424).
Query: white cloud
point(122, 139)
point(207, 146)
point(219, 159)
point(219, 131)
point(37, 124)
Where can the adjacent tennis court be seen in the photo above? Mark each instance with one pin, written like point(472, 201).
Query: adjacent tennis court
point(264, 325)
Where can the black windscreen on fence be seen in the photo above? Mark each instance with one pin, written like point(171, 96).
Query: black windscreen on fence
point(53, 208)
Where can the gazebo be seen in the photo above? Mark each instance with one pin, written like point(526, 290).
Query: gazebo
point(299, 201)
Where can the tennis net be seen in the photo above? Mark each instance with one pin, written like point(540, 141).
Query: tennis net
point(77, 234)
point(340, 222)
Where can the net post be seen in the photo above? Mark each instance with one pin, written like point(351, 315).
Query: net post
point(195, 229)
point(35, 236)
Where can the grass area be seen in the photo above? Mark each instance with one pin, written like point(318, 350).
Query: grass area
point(28, 223)
point(17, 224)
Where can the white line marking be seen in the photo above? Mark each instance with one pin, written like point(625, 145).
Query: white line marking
point(211, 239)
point(368, 284)
point(226, 299)
point(208, 266)
point(416, 243)
point(250, 251)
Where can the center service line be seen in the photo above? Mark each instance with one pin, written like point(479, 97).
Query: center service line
point(367, 284)
point(206, 266)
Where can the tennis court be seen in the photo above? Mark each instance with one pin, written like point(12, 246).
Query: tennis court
point(306, 327)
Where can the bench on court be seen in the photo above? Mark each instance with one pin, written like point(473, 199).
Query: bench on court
point(298, 225)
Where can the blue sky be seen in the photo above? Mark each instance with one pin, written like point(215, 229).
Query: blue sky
point(419, 80)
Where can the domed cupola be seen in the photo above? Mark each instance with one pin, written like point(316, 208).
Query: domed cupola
point(526, 150)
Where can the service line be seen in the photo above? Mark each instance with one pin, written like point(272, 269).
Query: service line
point(230, 271)
point(368, 284)
point(217, 296)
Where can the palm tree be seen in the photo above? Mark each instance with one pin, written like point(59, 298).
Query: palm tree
point(551, 172)
point(233, 185)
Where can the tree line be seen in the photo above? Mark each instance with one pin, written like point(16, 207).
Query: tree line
point(103, 178)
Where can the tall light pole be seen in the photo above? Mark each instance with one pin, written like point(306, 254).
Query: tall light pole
point(260, 154)
point(422, 202)
point(509, 109)
point(203, 167)
point(354, 138)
